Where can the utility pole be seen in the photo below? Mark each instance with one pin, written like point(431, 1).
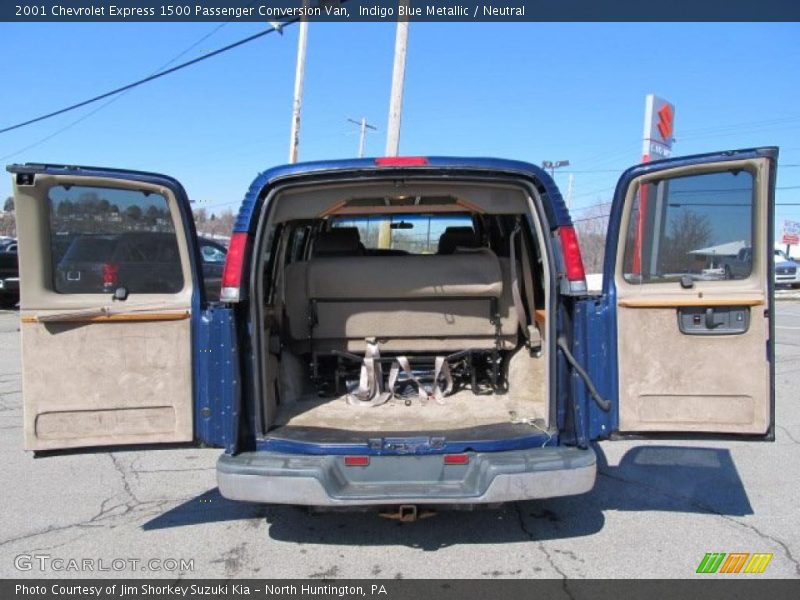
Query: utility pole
point(398, 80)
point(363, 125)
point(395, 111)
point(299, 76)
point(569, 191)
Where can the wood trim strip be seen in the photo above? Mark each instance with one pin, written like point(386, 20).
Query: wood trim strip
point(113, 318)
point(679, 302)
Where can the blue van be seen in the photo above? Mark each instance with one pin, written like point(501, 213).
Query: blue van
point(398, 331)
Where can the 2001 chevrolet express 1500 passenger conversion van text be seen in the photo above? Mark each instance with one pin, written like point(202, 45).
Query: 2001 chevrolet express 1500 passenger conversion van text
point(396, 331)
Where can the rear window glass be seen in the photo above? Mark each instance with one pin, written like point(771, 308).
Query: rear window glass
point(412, 234)
point(699, 226)
point(102, 239)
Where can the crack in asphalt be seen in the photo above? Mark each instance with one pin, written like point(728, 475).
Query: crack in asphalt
point(138, 471)
point(126, 485)
point(524, 527)
point(107, 510)
point(788, 434)
point(703, 507)
point(98, 520)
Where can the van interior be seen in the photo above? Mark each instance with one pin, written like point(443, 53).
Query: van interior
point(402, 308)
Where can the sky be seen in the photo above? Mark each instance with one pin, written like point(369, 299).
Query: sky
point(526, 91)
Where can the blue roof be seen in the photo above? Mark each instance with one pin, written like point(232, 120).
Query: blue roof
point(554, 203)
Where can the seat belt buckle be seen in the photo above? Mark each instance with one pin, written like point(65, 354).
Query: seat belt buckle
point(534, 337)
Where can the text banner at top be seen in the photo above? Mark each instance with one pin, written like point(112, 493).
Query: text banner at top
point(393, 10)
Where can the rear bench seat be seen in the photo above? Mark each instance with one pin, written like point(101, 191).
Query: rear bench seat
point(412, 303)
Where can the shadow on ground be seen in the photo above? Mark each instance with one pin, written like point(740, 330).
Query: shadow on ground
point(648, 478)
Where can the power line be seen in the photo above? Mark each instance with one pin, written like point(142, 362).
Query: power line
point(606, 215)
point(153, 77)
point(745, 125)
point(115, 98)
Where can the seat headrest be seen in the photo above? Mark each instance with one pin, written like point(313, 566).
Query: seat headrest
point(457, 237)
point(339, 241)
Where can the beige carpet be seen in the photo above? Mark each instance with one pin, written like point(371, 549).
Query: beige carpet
point(461, 410)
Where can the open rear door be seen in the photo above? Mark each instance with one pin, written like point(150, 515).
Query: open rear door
point(107, 264)
point(689, 277)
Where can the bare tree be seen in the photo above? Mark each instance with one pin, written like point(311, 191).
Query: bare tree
point(591, 226)
point(8, 226)
point(216, 225)
point(688, 231)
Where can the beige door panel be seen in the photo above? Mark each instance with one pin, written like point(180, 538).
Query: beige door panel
point(96, 371)
point(94, 384)
point(670, 381)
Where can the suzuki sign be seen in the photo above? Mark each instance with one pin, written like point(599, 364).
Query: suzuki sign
point(659, 126)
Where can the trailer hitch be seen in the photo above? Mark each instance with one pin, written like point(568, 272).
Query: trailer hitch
point(407, 513)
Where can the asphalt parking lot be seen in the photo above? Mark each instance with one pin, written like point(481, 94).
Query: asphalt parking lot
point(657, 508)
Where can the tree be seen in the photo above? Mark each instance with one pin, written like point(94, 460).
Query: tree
point(591, 226)
point(200, 216)
point(688, 230)
point(8, 206)
point(134, 212)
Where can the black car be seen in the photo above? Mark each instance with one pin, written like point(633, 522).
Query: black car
point(213, 254)
point(9, 274)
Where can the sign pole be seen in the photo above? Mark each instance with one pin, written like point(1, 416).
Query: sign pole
point(659, 122)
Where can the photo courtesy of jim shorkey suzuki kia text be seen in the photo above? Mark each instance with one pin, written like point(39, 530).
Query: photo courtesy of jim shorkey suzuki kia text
point(193, 590)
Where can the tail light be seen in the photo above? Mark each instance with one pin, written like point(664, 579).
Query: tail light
point(232, 273)
point(356, 461)
point(573, 263)
point(401, 161)
point(110, 275)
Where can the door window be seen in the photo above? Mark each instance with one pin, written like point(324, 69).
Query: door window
point(102, 239)
point(699, 225)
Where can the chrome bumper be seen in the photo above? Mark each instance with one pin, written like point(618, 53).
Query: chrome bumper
point(490, 477)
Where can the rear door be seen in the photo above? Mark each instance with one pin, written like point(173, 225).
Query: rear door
point(688, 280)
point(109, 284)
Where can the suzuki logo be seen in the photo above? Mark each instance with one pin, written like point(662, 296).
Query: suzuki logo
point(665, 122)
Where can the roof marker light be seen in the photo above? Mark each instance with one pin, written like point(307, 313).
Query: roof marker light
point(401, 161)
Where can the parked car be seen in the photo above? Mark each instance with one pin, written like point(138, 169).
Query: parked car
point(787, 271)
point(138, 262)
point(738, 267)
point(9, 275)
point(403, 331)
point(212, 255)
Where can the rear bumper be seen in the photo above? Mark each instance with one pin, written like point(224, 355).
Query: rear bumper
point(490, 477)
point(784, 279)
